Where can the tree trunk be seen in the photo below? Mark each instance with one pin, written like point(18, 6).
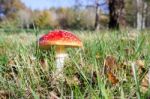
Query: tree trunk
point(121, 13)
point(139, 14)
point(113, 17)
point(97, 25)
point(116, 14)
point(139, 20)
point(145, 6)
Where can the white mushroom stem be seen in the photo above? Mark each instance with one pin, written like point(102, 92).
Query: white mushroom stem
point(60, 58)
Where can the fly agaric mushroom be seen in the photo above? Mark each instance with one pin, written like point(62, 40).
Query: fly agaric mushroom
point(61, 40)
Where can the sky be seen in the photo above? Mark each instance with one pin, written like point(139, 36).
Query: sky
point(46, 4)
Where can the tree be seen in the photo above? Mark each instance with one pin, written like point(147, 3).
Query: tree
point(13, 13)
point(43, 19)
point(96, 25)
point(116, 14)
point(145, 6)
point(148, 14)
point(141, 13)
point(10, 7)
point(25, 18)
point(130, 9)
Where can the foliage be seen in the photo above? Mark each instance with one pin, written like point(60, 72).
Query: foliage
point(10, 7)
point(75, 19)
point(43, 19)
point(24, 18)
point(15, 14)
point(130, 8)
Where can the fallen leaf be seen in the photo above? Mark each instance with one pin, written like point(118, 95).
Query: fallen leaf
point(140, 66)
point(112, 78)
point(110, 61)
point(140, 63)
point(4, 94)
point(124, 65)
point(145, 83)
point(28, 93)
point(53, 95)
point(41, 92)
point(109, 64)
point(73, 81)
point(11, 62)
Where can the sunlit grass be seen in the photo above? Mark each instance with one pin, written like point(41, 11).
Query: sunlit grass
point(26, 71)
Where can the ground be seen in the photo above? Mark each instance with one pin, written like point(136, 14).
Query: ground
point(104, 68)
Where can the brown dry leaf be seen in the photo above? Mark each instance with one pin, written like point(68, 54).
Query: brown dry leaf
point(139, 66)
point(73, 81)
point(145, 82)
point(41, 92)
point(140, 63)
point(110, 65)
point(112, 78)
point(28, 93)
point(4, 94)
point(53, 95)
point(110, 62)
point(124, 65)
point(11, 62)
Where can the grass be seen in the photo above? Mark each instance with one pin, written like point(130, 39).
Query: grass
point(25, 70)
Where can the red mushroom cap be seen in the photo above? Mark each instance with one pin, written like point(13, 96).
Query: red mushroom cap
point(59, 37)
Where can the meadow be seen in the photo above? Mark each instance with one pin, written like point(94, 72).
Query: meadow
point(112, 65)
